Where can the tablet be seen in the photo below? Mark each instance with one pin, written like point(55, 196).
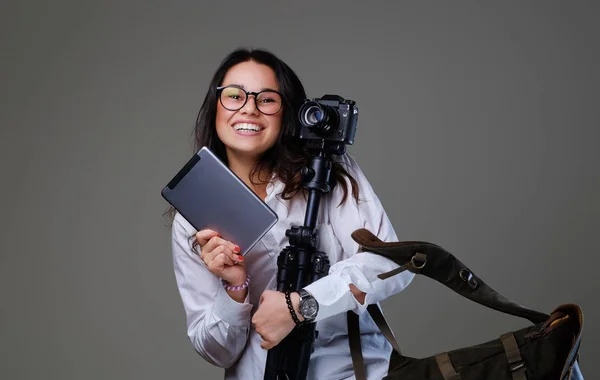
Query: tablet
point(209, 195)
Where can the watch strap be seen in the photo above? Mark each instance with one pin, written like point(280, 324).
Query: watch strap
point(303, 293)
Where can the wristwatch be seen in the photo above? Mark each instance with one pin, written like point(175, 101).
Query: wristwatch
point(309, 307)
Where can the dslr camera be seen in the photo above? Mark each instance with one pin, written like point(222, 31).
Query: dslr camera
point(330, 118)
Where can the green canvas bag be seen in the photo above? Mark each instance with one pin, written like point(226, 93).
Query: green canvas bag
point(546, 350)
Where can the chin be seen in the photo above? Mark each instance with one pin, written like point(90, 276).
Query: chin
point(247, 150)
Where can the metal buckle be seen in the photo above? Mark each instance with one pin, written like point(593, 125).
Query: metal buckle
point(517, 366)
point(468, 277)
point(413, 262)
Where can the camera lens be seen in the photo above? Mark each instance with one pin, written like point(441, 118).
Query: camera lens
point(313, 115)
point(320, 119)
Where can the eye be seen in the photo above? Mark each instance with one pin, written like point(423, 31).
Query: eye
point(233, 93)
point(269, 97)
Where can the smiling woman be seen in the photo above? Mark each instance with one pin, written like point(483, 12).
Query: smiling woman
point(242, 125)
point(249, 119)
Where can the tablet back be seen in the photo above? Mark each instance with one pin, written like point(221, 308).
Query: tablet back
point(209, 195)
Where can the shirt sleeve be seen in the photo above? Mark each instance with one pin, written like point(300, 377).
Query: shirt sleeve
point(217, 325)
point(358, 268)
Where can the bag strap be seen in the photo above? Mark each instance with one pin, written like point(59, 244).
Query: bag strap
point(446, 367)
point(434, 262)
point(443, 360)
point(358, 362)
point(384, 327)
point(354, 338)
point(513, 354)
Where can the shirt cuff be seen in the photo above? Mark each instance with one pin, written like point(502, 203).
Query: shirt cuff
point(333, 294)
point(231, 311)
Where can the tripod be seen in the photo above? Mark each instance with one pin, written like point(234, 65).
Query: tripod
point(300, 264)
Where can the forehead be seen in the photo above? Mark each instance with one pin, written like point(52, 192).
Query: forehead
point(251, 76)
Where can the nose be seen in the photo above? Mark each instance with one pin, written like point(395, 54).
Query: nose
point(250, 106)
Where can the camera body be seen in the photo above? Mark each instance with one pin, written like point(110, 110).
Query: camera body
point(330, 118)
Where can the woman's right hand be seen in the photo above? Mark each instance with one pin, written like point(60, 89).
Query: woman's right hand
point(221, 257)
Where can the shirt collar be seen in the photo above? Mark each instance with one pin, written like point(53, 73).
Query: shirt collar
point(274, 200)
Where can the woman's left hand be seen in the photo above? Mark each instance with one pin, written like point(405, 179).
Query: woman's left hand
point(273, 321)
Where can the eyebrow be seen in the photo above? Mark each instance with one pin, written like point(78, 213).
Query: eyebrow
point(243, 87)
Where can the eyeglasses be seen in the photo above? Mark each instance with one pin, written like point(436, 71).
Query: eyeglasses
point(233, 98)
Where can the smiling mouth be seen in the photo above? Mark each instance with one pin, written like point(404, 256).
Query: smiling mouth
point(247, 127)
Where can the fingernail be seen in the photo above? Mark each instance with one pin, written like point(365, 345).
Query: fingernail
point(236, 249)
point(241, 258)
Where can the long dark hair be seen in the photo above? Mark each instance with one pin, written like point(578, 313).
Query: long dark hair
point(288, 156)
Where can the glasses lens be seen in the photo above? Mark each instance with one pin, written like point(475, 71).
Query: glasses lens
point(268, 102)
point(233, 98)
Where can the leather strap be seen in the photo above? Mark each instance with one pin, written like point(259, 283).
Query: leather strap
point(446, 367)
point(433, 261)
point(513, 354)
point(417, 262)
point(384, 327)
point(358, 362)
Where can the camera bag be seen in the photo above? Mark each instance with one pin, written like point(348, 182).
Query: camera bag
point(546, 350)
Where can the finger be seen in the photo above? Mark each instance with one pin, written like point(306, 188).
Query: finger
point(208, 252)
point(203, 236)
point(216, 241)
point(208, 255)
point(234, 257)
point(219, 262)
point(227, 260)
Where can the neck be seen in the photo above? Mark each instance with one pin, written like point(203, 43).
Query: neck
point(242, 167)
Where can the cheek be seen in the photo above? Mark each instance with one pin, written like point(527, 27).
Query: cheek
point(276, 123)
point(222, 118)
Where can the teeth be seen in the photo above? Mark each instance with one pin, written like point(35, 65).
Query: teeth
point(246, 127)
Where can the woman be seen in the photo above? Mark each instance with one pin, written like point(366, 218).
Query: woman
point(234, 314)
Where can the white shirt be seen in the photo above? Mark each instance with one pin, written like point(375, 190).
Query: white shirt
point(219, 327)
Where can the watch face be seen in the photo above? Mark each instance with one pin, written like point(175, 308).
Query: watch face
point(309, 308)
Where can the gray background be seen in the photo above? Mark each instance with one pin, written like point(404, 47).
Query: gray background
point(478, 130)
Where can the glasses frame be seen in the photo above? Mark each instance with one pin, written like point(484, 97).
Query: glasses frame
point(248, 93)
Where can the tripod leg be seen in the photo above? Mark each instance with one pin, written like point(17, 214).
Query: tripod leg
point(290, 358)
